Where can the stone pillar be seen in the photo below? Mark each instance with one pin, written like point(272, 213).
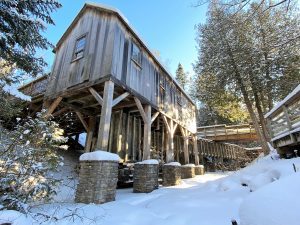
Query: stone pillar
point(199, 170)
point(145, 176)
point(187, 171)
point(98, 177)
point(171, 174)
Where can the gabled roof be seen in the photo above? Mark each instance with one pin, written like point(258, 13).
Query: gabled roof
point(122, 18)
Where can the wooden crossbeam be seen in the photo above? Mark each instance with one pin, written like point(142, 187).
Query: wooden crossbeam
point(96, 95)
point(75, 108)
point(120, 98)
point(53, 106)
point(64, 109)
point(141, 109)
point(154, 117)
point(166, 123)
point(80, 116)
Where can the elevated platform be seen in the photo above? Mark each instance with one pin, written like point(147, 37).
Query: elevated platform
point(232, 133)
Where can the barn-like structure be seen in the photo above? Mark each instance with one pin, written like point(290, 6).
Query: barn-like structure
point(126, 100)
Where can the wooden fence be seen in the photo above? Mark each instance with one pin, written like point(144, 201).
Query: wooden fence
point(284, 120)
point(222, 132)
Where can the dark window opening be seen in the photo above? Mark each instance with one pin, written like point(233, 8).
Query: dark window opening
point(136, 54)
point(79, 47)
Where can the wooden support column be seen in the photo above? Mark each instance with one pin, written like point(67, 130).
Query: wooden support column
point(185, 135)
point(171, 127)
point(104, 126)
point(90, 134)
point(196, 152)
point(147, 133)
point(148, 120)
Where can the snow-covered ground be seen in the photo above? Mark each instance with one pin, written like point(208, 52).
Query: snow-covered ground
point(264, 193)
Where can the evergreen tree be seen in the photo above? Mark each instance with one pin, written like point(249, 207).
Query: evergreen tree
point(181, 76)
point(21, 24)
point(251, 58)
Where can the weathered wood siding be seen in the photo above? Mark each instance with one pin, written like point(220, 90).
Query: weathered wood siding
point(108, 52)
point(97, 60)
point(148, 79)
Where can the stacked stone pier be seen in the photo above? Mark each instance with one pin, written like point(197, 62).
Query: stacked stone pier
point(171, 174)
point(145, 177)
point(98, 177)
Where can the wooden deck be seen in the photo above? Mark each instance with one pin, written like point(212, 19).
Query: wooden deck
point(284, 123)
point(223, 132)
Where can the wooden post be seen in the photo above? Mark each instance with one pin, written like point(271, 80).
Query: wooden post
point(90, 134)
point(185, 135)
point(148, 120)
point(104, 126)
point(196, 152)
point(147, 133)
point(171, 127)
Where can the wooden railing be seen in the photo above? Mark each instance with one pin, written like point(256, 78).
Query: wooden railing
point(284, 119)
point(223, 132)
point(209, 148)
point(36, 87)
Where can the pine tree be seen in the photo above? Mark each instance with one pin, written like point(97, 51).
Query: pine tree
point(21, 24)
point(250, 57)
point(181, 76)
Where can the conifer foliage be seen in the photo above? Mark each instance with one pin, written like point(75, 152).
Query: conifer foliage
point(253, 54)
point(181, 76)
point(27, 156)
point(21, 24)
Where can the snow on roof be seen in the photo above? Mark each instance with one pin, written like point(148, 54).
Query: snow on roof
point(173, 164)
point(99, 155)
point(13, 90)
point(279, 104)
point(148, 161)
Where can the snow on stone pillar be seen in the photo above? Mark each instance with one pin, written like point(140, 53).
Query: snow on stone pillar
point(98, 177)
point(171, 174)
point(145, 176)
point(187, 171)
point(199, 170)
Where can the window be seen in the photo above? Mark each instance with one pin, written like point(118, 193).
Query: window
point(136, 54)
point(79, 47)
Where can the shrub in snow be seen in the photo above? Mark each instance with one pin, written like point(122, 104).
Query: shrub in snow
point(26, 157)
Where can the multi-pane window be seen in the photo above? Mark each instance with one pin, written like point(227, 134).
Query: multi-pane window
point(79, 47)
point(136, 54)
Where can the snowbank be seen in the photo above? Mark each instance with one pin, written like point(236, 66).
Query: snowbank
point(274, 204)
point(13, 90)
point(99, 155)
point(189, 165)
point(173, 164)
point(148, 161)
point(14, 217)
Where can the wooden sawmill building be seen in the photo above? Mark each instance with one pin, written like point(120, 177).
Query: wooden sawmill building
point(125, 100)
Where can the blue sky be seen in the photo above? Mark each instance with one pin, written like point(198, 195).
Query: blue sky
point(166, 26)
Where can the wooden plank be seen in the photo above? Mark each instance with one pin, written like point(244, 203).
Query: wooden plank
point(90, 134)
point(96, 95)
point(154, 117)
point(53, 106)
point(141, 109)
point(195, 143)
point(120, 98)
point(80, 116)
point(104, 126)
point(147, 133)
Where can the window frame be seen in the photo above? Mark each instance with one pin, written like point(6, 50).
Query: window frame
point(138, 61)
point(75, 51)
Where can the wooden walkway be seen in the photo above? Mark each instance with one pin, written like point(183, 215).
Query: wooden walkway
point(284, 123)
point(223, 132)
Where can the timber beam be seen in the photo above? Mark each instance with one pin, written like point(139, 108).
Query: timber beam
point(171, 127)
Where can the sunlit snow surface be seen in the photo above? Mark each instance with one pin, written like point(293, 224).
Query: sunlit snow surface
point(265, 192)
